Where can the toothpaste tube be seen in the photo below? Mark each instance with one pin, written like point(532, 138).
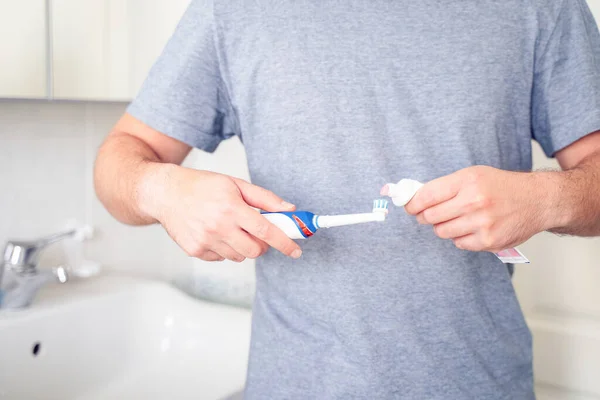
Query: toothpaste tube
point(403, 192)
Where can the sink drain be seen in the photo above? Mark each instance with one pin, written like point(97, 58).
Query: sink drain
point(35, 350)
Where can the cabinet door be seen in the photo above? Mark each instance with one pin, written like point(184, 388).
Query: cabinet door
point(154, 22)
point(103, 49)
point(23, 49)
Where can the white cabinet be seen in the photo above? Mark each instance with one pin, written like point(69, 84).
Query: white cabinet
point(103, 49)
point(595, 7)
point(153, 24)
point(23, 49)
point(89, 57)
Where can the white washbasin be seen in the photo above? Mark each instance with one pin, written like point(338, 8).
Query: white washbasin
point(120, 338)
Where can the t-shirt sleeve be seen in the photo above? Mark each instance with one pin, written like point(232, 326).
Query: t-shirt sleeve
point(184, 95)
point(566, 86)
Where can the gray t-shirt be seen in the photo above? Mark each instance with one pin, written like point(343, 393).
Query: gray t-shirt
point(332, 100)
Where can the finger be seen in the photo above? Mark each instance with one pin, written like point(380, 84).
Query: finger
point(211, 256)
point(476, 242)
point(471, 242)
point(261, 198)
point(385, 190)
point(455, 228)
point(248, 246)
point(259, 227)
point(434, 192)
point(226, 251)
point(445, 211)
point(466, 242)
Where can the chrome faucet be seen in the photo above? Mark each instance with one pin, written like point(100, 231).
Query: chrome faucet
point(20, 277)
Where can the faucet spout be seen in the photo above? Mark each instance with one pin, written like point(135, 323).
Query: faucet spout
point(24, 290)
point(20, 278)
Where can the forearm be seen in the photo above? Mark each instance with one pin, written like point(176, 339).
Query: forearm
point(126, 176)
point(572, 199)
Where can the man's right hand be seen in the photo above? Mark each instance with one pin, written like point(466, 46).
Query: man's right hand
point(211, 215)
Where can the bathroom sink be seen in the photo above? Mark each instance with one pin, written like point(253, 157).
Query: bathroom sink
point(120, 338)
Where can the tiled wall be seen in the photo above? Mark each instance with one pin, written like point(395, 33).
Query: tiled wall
point(47, 151)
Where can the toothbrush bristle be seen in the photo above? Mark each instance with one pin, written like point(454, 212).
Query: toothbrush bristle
point(380, 205)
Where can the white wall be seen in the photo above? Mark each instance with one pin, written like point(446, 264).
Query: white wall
point(559, 294)
point(47, 151)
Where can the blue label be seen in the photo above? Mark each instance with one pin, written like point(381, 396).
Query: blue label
point(302, 219)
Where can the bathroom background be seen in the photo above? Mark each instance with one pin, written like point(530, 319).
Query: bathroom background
point(68, 69)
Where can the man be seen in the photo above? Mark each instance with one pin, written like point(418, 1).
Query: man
point(332, 100)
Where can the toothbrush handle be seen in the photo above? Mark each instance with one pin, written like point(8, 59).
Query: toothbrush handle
point(329, 221)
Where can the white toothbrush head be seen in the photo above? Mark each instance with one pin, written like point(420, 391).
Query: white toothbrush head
point(381, 206)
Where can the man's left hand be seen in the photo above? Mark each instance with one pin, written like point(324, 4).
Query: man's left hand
point(482, 208)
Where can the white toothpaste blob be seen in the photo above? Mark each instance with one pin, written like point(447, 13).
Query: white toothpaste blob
point(402, 192)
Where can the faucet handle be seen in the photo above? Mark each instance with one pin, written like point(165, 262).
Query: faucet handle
point(22, 256)
point(61, 274)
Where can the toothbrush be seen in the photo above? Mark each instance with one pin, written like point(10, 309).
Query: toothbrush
point(304, 224)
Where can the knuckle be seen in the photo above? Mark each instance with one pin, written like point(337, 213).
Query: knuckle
point(197, 250)
point(468, 246)
point(480, 200)
point(487, 241)
point(419, 219)
point(263, 230)
point(286, 247)
point(411, 208)
point(211, 226)
point(189, 252)
point(227, 209)
point(486, 223)
point(471, 205)
point(268, 194)
point(255, 252)
point(485, 200)
point(427, 197)
point(290, 248)
point(429, 216)
point(264, 248)
point(237, 258)
point(441, 231)
point(224, 209)
point(210, 257)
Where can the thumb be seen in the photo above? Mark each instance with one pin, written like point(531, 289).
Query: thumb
point(261, 198)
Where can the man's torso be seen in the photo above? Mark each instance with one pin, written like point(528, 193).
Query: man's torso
point(333, 100)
